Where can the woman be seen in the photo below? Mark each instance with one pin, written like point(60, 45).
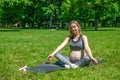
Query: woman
point(78, 44)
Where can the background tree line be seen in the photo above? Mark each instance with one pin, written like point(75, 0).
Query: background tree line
point(57, 13)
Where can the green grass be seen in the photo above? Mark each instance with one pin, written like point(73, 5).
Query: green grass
point(31, 47)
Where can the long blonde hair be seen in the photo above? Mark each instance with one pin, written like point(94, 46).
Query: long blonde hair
point(78, 25)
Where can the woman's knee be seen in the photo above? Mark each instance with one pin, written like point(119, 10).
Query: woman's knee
point(86, 58)
point(57, 55)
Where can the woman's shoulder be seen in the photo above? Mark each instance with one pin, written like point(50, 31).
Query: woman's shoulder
point(84, 36)
point(69, 36)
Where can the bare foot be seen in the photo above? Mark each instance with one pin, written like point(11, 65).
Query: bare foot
point(23, 68)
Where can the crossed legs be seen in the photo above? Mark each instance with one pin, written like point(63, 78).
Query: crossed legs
point(85, 60)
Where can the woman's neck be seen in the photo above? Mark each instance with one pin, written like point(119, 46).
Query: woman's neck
point(77, 35)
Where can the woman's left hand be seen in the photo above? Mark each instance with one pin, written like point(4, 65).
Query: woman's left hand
point(94, 61)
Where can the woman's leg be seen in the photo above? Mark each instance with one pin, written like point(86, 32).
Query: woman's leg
point(82, 62)
point(63, 58)
point(66, 61)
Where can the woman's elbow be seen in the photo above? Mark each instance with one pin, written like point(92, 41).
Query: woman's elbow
point(87, 48)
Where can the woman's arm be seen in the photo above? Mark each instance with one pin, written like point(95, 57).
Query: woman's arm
point(88, 50)
point(62, 45)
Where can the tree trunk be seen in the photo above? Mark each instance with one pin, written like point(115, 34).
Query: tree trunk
point(50, 24)
point(96, 24)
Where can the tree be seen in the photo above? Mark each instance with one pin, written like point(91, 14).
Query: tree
point(35, 13)
point(12, 11)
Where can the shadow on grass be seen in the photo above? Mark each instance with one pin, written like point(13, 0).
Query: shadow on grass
point(103, 29)
point(9, 30)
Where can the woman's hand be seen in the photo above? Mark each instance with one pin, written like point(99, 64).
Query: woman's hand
point(50, 57)
point(94, 61)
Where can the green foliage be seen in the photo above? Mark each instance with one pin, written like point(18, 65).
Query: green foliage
point(49, 10)
point(12, 10)
point(65, 9)
point(29, 13)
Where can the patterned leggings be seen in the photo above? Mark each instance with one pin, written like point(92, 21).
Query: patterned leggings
point(66, 60)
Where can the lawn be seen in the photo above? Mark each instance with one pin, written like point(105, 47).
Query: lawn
point(20, 47)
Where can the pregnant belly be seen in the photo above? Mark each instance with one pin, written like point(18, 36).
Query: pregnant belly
point(76, 55)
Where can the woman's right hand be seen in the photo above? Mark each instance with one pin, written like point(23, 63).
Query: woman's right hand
point(50, 57)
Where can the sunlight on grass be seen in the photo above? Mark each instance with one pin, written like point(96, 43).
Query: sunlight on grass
point(31, 47)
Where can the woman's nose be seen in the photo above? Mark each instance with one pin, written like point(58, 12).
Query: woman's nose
point(73, 28)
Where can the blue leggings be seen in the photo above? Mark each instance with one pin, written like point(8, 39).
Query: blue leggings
point(66, 60)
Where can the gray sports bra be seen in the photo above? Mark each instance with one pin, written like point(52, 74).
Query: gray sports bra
point(76, 45)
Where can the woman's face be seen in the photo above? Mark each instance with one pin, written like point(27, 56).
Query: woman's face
point(74, 29)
